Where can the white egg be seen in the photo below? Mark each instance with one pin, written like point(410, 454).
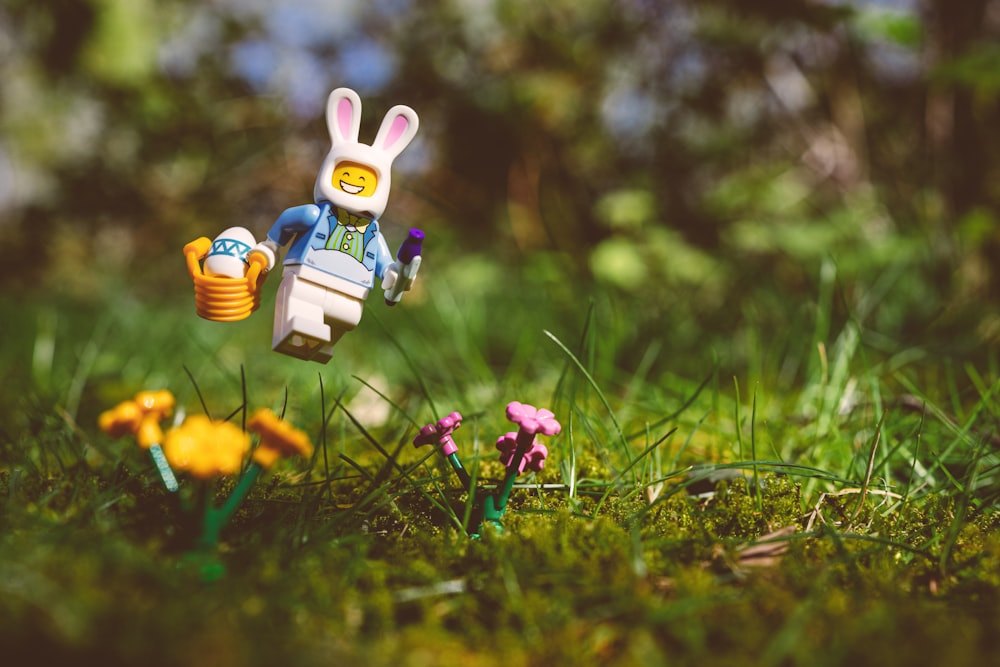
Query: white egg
point(227, 256)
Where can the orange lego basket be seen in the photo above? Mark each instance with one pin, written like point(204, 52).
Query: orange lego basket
point(221, 298)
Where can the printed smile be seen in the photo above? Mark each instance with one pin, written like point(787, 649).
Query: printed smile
point(351, 189)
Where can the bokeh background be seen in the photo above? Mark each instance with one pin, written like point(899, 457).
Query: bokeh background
point(721, 180)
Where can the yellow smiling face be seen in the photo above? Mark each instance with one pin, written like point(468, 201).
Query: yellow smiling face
point(355, 179)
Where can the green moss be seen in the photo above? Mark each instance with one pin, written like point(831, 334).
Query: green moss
point(626, 586)
point(371, 566)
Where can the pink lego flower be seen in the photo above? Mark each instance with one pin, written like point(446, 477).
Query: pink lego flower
point(533, 420)
point(533, 459)
point(440, 434)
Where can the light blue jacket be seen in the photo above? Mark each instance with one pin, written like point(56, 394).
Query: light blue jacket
point(333, 246)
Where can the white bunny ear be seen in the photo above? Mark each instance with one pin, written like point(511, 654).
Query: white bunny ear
point(343, 116)
point(397, 130)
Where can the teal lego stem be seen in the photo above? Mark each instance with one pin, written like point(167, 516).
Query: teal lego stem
point(503, 492)
point(480, 503)
point(163, 468)
point(459, 469)
point(491, 514)
point(495, 504)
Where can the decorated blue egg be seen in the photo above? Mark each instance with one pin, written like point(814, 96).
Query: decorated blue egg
point(228, 254)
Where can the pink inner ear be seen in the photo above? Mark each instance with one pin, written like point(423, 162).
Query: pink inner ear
point(396, 130)
point(345, 113)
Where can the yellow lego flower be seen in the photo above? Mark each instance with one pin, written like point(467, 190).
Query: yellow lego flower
point(278, 438)
point(206, 448)
point(140, 417)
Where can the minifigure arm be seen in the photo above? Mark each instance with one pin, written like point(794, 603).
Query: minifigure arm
point(291, 222)
point(383, 258)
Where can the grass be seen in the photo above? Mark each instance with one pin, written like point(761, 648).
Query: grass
point(844, 512)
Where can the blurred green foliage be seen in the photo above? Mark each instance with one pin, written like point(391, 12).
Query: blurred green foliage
point(692, 158)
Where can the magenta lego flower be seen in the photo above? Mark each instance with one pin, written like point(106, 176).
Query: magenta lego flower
point(533, 420)
point(519, 451)
point(522, 450)
point(533, 459)
point(440, 434)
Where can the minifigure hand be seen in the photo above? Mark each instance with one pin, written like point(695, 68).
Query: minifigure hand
point(258, 259)
point(398, 278)
point(263, 253)
point(390, 275)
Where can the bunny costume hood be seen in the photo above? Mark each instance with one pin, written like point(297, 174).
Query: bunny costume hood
point(343, 118)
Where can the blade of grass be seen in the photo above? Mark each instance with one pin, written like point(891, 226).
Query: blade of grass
point(687, 441)
point(871, 465)
point(679, 411)
point(324, 420)
point(391, 461)
point(631, 466)
point(753, 453)
point(600, 394)
point(414, 368)
point(737, 418)
point(197, 391)
point(388, 400)
point(782, 467)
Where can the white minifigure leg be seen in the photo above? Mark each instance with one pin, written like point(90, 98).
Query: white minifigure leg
point(343, 313)
point(299, 327)
point(309, 319)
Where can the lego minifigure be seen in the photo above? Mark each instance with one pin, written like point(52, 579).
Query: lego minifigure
point(336, 247)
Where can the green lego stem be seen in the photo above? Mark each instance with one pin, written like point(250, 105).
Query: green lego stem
point(216, 519)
